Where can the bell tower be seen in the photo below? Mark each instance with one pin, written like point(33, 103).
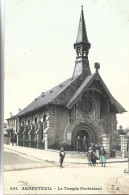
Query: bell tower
point(82, 47)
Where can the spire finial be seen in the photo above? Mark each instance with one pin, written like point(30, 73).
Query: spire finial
point(82, 7)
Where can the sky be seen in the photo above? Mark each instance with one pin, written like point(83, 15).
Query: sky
point(39, 53)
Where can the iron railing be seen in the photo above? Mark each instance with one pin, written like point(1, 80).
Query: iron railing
point(31, 144)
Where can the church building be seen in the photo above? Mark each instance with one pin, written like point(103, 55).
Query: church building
point(80, 106)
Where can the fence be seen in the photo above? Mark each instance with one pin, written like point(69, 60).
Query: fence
point(31, 136)
point(72, 147)
point(112, 146)
point(32, 144)
point(115, 143)
point(14, 138)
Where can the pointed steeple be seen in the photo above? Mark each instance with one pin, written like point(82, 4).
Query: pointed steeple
point(82, 44)
point(82, 35)
point(82, 47)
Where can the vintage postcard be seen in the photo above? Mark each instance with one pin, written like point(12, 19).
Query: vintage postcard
point(66, 127)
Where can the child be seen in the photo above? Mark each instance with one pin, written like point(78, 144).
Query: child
point(93, 158)
point(61, 155)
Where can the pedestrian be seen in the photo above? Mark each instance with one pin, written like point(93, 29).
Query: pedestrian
point(78, 143)
point(84, 144)
point(102, 156)
point(89, 155)
point(93, 147)
point(62, 156)
point(93, 158)
point(97, 152)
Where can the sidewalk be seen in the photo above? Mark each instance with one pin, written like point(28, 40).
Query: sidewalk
point(52, 156)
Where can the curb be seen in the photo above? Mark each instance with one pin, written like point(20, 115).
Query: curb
point(31, 156)
point(54, 162)
point(6, 169)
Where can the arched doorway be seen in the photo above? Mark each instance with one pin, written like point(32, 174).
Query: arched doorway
point(82, 134)
point(84, 130)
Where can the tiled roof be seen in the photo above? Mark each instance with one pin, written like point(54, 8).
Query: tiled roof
point(120, 108)
point(52, 96)
point(80, 89)
point(66, 94)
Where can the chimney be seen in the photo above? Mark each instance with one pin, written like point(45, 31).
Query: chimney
point(11, 115)
point(19, 109)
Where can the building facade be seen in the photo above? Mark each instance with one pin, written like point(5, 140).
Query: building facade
point(80, 106)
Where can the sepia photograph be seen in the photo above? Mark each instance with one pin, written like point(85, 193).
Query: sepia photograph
point(66, 97)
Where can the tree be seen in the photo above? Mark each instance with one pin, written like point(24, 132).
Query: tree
point(121, 131)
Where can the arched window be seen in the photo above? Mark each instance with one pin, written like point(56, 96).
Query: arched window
point(44, 122)
point(28, 122)
point(35, 120)
point(44, 118)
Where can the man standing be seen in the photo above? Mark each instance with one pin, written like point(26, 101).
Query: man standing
point(84, 144)
point(78, 143)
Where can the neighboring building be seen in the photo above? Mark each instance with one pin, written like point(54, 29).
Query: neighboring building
point(80, 106)
point(11, 124)
point(6, 135)
point(12, 128)
point(5, 128)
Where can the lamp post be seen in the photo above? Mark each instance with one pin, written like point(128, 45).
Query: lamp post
point(128, 149)
point(128, 153)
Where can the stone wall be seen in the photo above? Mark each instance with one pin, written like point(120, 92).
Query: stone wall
point(62, 117)
point(56, 121)
point(51, 126)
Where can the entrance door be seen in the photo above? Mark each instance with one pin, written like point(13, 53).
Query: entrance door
point(82, 134)
point(83, 130)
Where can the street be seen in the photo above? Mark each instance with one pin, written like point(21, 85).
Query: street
point(11, 158)
point(72, 179)
point(18, 161)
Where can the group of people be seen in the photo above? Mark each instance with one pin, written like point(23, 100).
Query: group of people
point(82, 144)
point(94, 153)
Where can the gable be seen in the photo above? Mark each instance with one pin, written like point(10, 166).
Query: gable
point(94, 82)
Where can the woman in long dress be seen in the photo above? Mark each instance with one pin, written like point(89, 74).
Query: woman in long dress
point(102, 156)
point(89, 155)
